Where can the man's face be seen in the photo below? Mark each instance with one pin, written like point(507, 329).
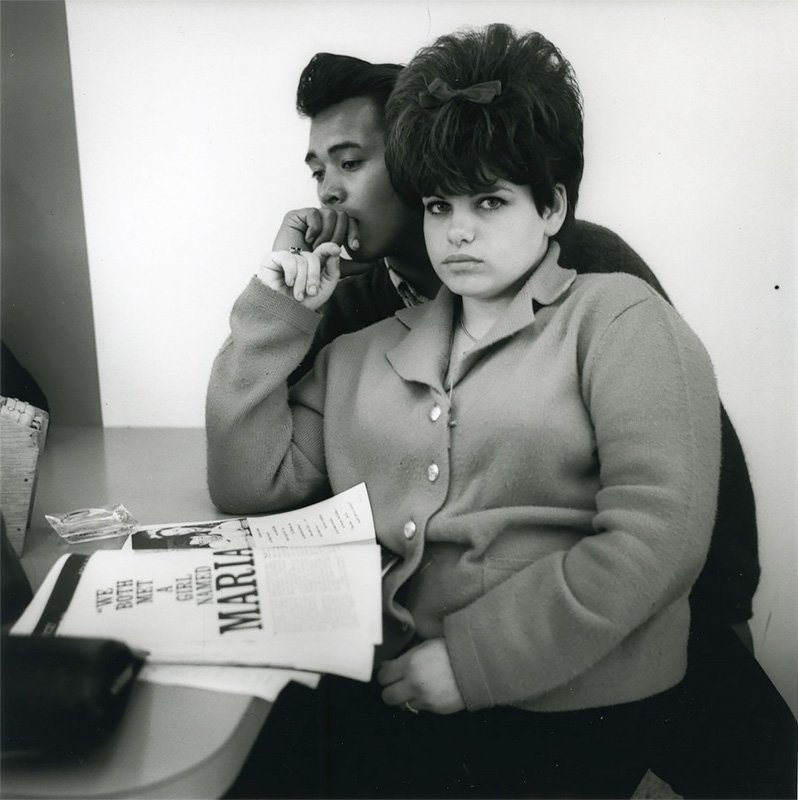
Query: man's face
point(346, 156)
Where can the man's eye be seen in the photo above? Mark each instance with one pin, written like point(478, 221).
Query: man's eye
point(351, 164)
point(317, 174)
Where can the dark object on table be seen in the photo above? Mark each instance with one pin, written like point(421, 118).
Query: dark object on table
point(63, 693)
point(16, 591)
point(16, 381)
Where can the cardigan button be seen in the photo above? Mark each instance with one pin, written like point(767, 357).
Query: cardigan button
point(435, 412)
point(409, 530)
point(433, 470)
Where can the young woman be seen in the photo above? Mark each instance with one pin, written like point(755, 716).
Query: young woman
point(541, 450)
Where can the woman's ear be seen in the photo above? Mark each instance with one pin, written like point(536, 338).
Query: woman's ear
point(554, 217)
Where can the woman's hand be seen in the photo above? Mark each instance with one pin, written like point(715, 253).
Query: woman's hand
point(310, 278)
point(422, 677)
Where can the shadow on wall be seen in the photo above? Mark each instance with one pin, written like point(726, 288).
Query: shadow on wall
point(47, 318)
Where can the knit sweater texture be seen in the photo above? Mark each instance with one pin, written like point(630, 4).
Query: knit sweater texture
point(552, 533)
point(724, 591)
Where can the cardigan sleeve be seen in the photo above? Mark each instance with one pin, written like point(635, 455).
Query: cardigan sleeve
point(265, 452)
point(726, 586)
point(649, 387)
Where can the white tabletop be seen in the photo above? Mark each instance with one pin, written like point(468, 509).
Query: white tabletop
point(172, 742)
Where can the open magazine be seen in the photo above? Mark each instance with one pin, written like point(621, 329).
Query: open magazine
point(299, 590)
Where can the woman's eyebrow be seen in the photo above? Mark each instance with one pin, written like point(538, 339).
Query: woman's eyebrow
point(498, 186)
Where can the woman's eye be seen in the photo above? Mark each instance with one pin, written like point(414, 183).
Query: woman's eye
point(317, 175)
point(351, 165)
point(436, 207)
point(491, 203)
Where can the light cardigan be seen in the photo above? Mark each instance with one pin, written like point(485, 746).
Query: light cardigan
point(552, 513)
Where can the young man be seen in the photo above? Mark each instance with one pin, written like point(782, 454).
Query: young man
point(345, 100)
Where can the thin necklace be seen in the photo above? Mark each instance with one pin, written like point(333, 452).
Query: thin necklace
point(466, 331)
point(450, 370)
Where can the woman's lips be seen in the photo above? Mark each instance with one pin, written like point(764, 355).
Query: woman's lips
point(461, 258)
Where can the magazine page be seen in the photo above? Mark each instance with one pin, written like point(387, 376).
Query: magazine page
point(263, 682)
point(318, 611)
point(341, 519)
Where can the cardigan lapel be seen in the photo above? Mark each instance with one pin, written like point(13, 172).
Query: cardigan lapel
point(423, 355)
point(544, 286)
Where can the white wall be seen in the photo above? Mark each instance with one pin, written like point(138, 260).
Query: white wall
point(191, 152)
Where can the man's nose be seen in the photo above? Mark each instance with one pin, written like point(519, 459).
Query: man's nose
point(331, 191)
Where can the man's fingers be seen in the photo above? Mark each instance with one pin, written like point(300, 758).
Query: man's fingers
point(294, 229)
point(353, 236)
point(342, 222)
point(315, 223)
point(332, 228)
point(309, 227)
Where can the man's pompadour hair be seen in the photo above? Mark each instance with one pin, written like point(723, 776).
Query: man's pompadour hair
point(531, 133)
point(329, 79)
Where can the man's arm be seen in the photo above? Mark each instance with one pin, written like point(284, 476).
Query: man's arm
point(264, 452)
point(358, 301)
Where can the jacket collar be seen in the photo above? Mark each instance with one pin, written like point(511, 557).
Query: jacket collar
point(423, 355)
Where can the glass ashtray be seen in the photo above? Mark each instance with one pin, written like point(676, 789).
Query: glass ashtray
point(90, 524)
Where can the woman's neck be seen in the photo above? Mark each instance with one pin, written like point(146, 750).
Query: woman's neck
point(472, 321)
point(477, 316)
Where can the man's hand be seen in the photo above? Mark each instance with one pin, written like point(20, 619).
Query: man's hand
point(309, 277)
point(307, 228)
point(423, 677)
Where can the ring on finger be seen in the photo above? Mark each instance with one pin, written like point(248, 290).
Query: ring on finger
point(410, 708)
point(295, 251)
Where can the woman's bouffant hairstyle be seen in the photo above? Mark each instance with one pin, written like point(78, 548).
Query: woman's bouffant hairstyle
point(329, 79)
point(530, 133)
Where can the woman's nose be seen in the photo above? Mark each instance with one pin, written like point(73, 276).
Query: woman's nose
point(461, 229)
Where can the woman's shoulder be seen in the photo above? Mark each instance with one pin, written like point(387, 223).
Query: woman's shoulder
point(621, 302)
point(598, 284)
point(609, 294)
point(597, 301)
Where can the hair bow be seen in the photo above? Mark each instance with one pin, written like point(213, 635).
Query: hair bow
point(438, 92)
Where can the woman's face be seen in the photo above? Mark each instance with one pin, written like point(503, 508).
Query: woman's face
point(486, 245)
